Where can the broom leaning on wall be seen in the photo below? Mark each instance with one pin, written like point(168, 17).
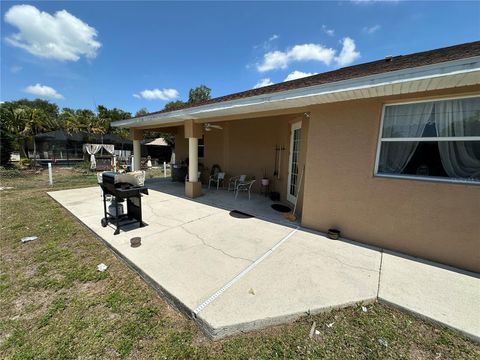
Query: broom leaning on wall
point(291, 216)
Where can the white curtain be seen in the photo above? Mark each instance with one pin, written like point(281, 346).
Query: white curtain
point(123, 154)
point(109, 148)
point(92, 149)
point(402, 121)
point(459, 118)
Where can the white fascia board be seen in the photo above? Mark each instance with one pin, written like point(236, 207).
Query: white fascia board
point(308, 95)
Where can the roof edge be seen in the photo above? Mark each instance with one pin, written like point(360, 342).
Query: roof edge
point(463, 65)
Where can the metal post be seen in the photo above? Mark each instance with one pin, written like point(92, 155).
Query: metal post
point(164, 169)
point(50, 177)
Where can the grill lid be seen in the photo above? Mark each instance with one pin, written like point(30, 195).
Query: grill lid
point(115, 178)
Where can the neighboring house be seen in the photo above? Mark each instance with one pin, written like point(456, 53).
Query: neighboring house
point(63, 147)
point(391, 149)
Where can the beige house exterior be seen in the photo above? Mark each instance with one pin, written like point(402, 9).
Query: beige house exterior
point(337, 125)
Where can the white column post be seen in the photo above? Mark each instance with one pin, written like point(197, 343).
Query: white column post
point(193, 187)
point(137, 153)
point(192, 159)
point(50, 177)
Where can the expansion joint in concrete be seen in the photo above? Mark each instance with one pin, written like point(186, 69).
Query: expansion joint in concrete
point(243, 273)
point(379, 272)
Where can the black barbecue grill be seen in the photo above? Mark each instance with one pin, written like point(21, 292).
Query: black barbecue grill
point(122, 187)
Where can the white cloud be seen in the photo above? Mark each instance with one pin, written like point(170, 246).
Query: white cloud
point(267, 44)
point(273, 37)
point(43, 91)
point(305, 52)
point(326, 30)
point(297, 75)
point(273, 60)
point(371, 29)
point(348, 54)
point(61, 36)
point(158, 94)
point(315, 52)
point(263, 82)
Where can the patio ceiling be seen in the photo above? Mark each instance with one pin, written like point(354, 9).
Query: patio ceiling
point(463, 72)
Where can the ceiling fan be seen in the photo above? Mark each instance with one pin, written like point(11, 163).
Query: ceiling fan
point(209, 127)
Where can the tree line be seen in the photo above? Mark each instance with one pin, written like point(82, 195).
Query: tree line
point(22, 120)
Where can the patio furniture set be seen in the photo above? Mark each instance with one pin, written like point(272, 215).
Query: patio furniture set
point(236, 183)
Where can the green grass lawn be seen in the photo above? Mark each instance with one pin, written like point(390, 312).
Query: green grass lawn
point(54, 304)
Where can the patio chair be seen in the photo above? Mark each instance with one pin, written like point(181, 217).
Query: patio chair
point(244, 186)
point(216, 179)
point(234, 181)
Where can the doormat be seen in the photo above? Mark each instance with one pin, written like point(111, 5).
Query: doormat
point(240, 215)
point(281, 208)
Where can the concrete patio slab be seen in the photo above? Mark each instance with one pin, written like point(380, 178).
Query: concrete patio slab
point(437, 292)
point(234, 273)
point(306, 274)
point(189, 249)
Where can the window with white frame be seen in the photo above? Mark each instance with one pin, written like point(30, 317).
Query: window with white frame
point(438, 140)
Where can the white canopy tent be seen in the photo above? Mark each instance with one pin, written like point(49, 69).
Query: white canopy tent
point(92, 149)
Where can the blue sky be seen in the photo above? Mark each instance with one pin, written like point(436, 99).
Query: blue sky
point(142, 54)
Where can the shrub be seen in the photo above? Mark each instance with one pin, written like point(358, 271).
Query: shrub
point(9, 173)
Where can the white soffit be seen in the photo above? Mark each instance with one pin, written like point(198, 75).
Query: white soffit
point(445, 75)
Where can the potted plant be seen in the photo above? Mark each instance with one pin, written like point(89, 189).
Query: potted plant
point(265, 181)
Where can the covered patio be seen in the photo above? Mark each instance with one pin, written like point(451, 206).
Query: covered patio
point(259, 205)
point(269, 151)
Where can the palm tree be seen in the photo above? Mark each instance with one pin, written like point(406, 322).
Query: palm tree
point(36, 121)
point(13, 119)
point(69, 121)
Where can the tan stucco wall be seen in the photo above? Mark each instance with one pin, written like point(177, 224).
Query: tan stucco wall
point(248, 147)
point(181, 145)
point(437, 221)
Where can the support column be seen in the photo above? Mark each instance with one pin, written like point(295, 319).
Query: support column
point(193, 159)
point(193, 187)
point(136, 135)
point(137, 152)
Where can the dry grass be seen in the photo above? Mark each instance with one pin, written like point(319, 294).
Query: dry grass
point(55, 305)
